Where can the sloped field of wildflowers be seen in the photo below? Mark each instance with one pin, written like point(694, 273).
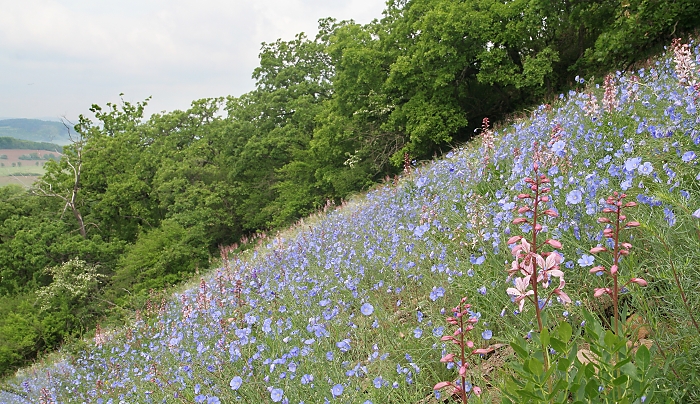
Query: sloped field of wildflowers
point(351, 306)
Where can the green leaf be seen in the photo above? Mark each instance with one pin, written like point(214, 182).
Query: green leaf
point(563, 364)
point(610, 339)
point(565, 331)
point(544, 338)
point(621, 380)
point(558, 346)
point(534, 366)
point(643, 357)
point(630, 370)
point(519, 349)
point(591, 389)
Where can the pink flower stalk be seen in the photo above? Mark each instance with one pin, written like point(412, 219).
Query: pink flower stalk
point(536, 269)
point(591, 107)
point(463, 323)
point(616, 224)
point(487, 140)
point(685, 65)
point(610, 102)
point(632, 89)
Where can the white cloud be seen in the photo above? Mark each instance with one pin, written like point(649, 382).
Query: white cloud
point(59, 57)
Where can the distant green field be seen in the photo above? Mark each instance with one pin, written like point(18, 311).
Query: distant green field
point(23, 180)
point(25, 169)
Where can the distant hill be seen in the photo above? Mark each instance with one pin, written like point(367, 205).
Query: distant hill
point(13, 143)
point(35, 130)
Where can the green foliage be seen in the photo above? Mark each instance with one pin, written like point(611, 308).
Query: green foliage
point(598, 366)
point(160, 257)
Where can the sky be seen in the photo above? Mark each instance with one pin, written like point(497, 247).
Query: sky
point(57, 58)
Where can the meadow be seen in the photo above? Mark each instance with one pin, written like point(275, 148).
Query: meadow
point(355, 304)
point(21, 171)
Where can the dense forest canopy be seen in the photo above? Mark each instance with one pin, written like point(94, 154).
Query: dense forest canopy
point(144, 202)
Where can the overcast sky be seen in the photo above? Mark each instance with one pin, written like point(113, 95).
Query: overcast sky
point(57, 58)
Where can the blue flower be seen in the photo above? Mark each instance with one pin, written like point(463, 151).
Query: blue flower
point(437, 292)
point(632, 163)
point(417, 333)
point(236, 382)
point(307, 378)
point(574, 197)
point(688, 156)
point(367, 309)
point(337, 390)
point(586, 260)
point(646, 168)
point(487, 334)
point(344, 345)
point(276, 395)
point(378, 382)
point(696, 214)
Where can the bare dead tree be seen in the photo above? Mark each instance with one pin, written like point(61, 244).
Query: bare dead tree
point(75, 164)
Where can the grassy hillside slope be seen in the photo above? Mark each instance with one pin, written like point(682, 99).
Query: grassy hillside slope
point(351, 305)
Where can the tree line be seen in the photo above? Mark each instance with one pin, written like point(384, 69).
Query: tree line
point(137, 203)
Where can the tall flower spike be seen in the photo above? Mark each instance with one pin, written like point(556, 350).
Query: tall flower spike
point(535, 269)
point(463, 323)
point(616, 224)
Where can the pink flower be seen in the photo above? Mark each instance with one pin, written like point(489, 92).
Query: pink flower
point(639, 281)
point(598, 292)
point(442, 385)
point(520, 291)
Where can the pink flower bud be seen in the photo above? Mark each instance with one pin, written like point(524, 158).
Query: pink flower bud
point(524, 196)
point(442, 385)
point(447, 338)
point(553, 243)
point(538, 227)
point(603, 220)
point(470, 344)
point(596, 250)
point(463, 370)
point(544, 190)
point(481, 351)
point(639, 281)
point(550, 213)
point(613, 270)
point(476, 390)
point(624, 252)
point(523, 209)
point(597, 269)
point(598, 292)
point(535, 166)
point(520, 220)
point(608, 210)
point(630, 204)
point(545, 198)
point(448, 358)
point(623, 218)
point(514, 239)
point(632, 224)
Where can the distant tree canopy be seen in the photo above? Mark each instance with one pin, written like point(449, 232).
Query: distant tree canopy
point(145, 202)
point(12, 143)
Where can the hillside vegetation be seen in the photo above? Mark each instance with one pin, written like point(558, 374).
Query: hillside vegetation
point(350, 305)
point(12, 143)
point(34, 130)
point(137, 205)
